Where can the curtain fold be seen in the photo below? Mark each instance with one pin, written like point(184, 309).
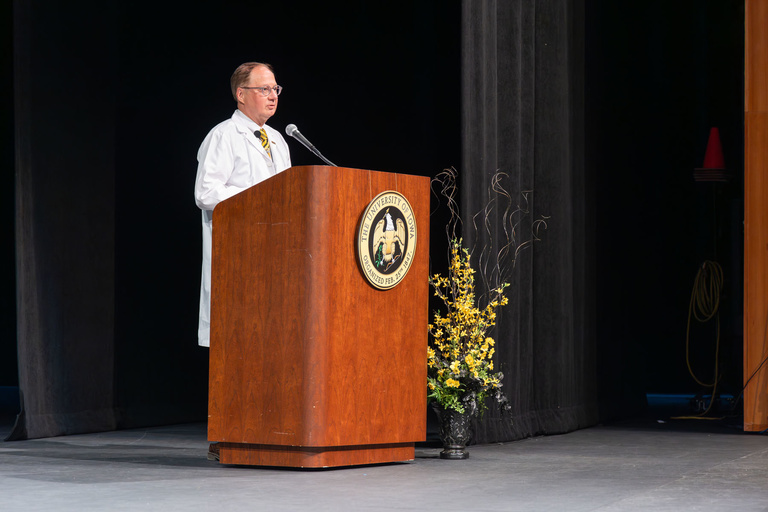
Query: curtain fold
point(81, 365)
point(64, 220)
point(522, 114)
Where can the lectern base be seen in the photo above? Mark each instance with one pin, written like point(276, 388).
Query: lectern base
point(313, 456)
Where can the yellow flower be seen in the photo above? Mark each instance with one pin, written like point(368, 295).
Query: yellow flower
point(458, 344)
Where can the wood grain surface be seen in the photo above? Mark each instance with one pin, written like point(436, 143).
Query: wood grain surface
point(756, 215)
point(311, 457)
point(304, 351)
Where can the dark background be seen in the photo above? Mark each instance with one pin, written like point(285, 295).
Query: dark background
point(8, 368)
point(370, 87)
point(377, 86)
point(659, 76)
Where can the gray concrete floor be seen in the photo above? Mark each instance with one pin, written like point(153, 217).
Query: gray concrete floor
point(632, 467)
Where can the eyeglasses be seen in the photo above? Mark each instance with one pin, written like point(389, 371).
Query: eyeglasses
point(267, 90)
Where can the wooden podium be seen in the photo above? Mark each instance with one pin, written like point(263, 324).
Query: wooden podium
point(310, 365)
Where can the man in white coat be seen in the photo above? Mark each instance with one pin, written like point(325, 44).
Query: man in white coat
point(235, 155)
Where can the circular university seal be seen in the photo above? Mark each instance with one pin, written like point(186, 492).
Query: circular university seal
point(386, 240)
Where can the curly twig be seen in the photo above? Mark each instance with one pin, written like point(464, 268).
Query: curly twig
point(495, 264)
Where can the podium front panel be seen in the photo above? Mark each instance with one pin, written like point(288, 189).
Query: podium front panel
point(309, 361)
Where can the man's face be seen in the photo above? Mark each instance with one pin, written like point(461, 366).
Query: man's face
point(252, 103)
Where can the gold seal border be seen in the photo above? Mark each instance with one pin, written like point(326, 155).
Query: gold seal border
point(373, 276)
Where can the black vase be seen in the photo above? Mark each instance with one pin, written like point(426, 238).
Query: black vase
point(455, 432)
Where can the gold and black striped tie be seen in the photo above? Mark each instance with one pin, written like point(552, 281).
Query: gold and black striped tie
point(264, 141)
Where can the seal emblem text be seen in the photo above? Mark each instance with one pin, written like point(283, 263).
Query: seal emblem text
point(386, 240)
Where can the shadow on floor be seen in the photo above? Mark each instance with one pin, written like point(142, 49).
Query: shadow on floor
point(688, 413)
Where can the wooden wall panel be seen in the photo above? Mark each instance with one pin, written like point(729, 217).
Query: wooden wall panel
point(755, 215)
point(756, 56)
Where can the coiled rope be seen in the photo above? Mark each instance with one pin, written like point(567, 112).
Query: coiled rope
point(705, 305)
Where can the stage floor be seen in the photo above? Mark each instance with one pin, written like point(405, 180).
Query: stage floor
point(629, 467)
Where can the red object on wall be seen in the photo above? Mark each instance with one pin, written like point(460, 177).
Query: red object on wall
point(713, 158)
point(714, 163)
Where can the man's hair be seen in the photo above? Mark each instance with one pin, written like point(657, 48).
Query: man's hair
point(243, 73)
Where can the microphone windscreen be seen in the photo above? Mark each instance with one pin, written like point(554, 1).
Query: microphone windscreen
point(290, 129)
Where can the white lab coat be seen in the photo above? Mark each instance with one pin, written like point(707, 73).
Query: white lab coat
point(230, 160)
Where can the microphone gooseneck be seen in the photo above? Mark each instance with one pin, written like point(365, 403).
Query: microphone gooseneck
point(294, 132)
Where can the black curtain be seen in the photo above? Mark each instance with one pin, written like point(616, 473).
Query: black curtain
point(523, 114)
point(111, 105)
point(108, 237)
point(8, 361)
point(65, 214)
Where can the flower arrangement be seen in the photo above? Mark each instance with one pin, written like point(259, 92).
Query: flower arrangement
point(460, 373)
point(460, 367)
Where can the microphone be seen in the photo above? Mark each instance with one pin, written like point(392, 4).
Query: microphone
point(294, 132)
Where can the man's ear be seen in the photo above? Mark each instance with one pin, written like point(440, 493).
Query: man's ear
point(240, 93)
